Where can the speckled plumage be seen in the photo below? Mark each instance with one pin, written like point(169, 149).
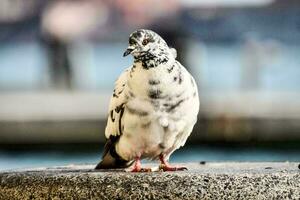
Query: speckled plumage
point(154, 105)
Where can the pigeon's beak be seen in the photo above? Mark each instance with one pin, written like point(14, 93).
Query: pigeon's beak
point(128, 51)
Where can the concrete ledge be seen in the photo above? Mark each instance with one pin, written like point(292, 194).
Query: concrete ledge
point(202, 181)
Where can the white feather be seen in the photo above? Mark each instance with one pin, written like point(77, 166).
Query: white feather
point(112, 127)
point(144, 135)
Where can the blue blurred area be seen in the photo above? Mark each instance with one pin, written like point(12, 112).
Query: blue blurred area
point(103, 63)
point(221, 68)
point(23, 65)
point(97, 66)
point(91, 154)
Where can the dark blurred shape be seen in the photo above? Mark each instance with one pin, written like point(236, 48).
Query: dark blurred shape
point(268, 168)
point(64, 23)
point(202, 162)
point(59, 63)
point(19, 20)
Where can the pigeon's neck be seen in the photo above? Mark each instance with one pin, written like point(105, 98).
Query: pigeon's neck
point(150, 60)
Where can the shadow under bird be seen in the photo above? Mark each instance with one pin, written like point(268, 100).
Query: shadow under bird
point(153, 108)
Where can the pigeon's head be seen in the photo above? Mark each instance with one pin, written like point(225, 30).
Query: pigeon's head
point(145, 43)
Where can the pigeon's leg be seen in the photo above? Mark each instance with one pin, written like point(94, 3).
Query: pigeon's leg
point(138, 167)
point(165, 166)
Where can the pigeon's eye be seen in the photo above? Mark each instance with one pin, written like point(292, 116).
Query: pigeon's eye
point(145, 41)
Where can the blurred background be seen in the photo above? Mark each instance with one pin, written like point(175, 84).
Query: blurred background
point(59, 60)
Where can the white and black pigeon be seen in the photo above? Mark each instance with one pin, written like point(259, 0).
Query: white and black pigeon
point(153, 108)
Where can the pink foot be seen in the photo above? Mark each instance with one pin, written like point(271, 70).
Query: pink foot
point(138, 167)
point(165, 166)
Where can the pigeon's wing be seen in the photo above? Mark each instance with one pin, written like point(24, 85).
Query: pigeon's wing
point(116, 106)
point(113, 131)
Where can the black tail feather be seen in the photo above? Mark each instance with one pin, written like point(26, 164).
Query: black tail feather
point(111, 159)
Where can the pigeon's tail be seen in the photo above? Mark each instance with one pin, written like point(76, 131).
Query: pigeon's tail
point(110, 162)
point(111, 159)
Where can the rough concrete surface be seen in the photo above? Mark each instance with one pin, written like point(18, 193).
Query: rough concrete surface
point(201, 181)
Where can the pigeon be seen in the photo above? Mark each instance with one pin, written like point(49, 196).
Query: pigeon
point(153, 108)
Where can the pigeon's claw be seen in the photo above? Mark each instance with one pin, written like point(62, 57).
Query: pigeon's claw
point(146, 170)
point(165, 166)
point(138, 167)
point(141, 170)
